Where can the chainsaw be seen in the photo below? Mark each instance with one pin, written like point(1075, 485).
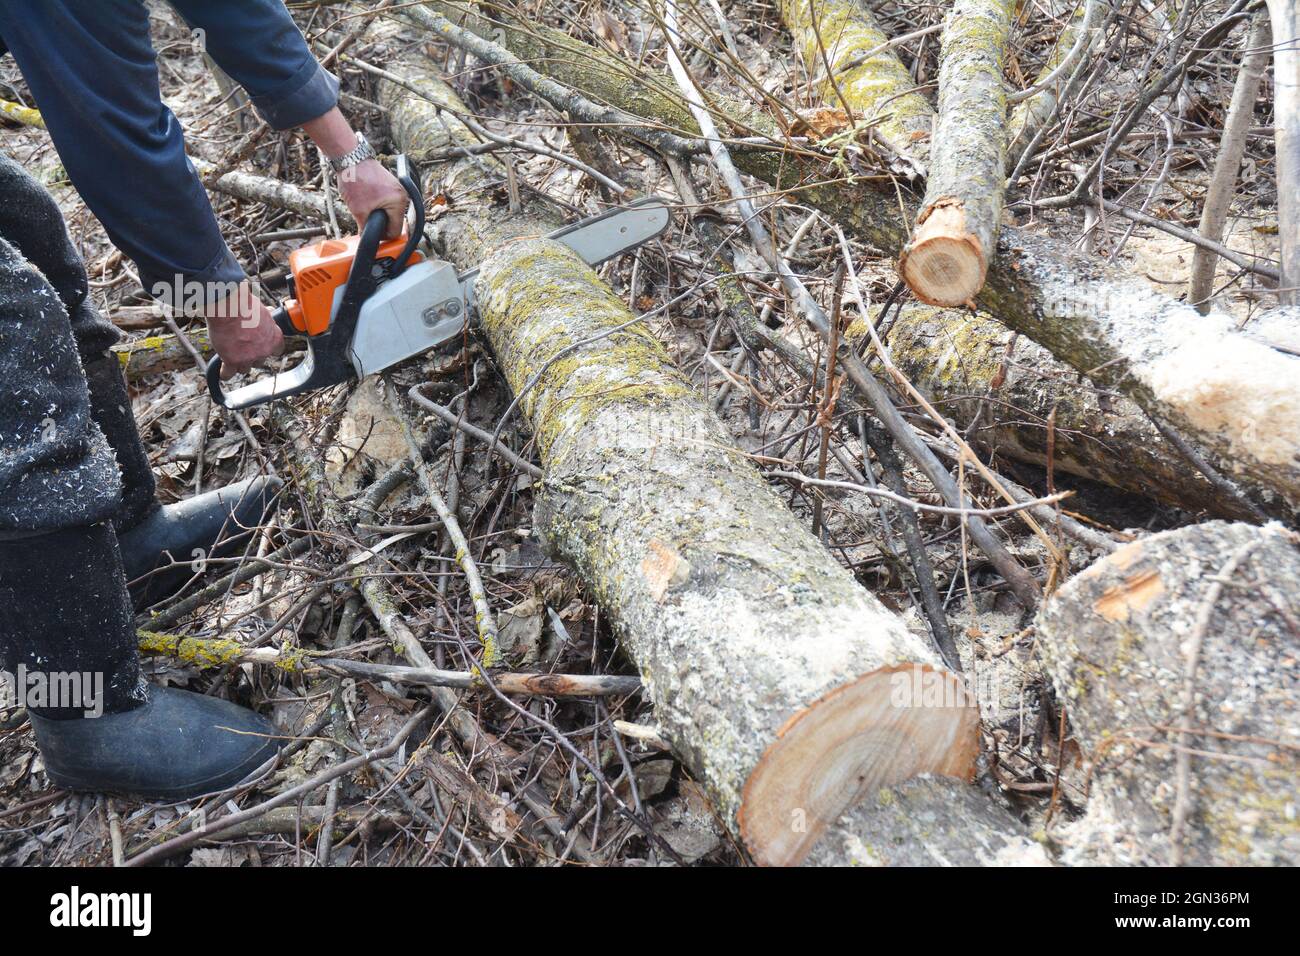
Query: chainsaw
point(366, 303)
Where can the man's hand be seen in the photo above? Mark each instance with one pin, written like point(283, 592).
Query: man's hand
point(243, 332)
point(369, 186)
point(366, 186)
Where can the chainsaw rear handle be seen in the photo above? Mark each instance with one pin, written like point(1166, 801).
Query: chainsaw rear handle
point(327, 361)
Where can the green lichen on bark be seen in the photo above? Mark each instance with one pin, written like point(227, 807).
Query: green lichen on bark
point(878, 88)
point(542, 303)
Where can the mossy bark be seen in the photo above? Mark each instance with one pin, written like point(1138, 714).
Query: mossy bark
point(743, 625)
point(1204, 615)
point(948, 255)
point(929, 821)
point(877, 88)
point(155, 354)
point(1025, 401)
point(1029, 116)
point(1239, 399)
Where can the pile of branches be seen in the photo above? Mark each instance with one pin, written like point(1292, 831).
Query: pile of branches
point(630, 572)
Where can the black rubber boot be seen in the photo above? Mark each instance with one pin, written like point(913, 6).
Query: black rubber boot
point(165, 546)
point(174, 543)
point(176, 746)
point(68, 624)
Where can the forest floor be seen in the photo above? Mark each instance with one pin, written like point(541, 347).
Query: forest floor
point(426, 804)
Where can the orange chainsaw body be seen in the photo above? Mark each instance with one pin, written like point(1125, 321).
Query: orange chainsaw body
point(320, 269)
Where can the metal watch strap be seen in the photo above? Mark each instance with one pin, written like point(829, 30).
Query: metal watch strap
point(354, 157)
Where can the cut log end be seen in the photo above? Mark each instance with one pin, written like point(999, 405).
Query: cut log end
point(943, 264)
point(884, 728)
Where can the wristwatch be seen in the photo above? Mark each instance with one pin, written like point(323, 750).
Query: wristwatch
point(355, 157)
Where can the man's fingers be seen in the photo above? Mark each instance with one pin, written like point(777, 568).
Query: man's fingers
point(396, 217)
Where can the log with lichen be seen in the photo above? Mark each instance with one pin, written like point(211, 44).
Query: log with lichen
point(1027, 406)
point(156, 354)
point(853, 67)
point(1237, 398)
point(1175, 658)
point(785, 687)
point(1055, 80)
point(947, 257)
point(929, 821)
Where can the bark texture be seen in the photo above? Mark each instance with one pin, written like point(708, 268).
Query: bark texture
point(1285, 15)
point(1223, 184)
point(956, 230)
point(1238, 398)
point(1034, 112)
point(1024, 401)
point(155, 354)
point(772, 670)
point(1176, 659)
point(928, 821)
point(874, 84)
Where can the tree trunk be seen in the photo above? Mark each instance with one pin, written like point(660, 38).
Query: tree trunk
point(840, 45)
point(947, 257)
point(1237, 398)
point(1285, 15)
point(782, 684)
point(1024, 400)
point(1175, 657)
point(928, 821)
point(1223, 184)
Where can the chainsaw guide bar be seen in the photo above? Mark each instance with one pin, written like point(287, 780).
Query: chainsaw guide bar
point(366, 304)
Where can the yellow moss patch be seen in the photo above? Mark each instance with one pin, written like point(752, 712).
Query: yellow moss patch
point(209, 652)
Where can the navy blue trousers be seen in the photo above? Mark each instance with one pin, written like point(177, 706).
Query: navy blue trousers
point(90, 67)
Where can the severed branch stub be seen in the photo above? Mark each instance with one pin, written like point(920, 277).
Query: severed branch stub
point(948, 255)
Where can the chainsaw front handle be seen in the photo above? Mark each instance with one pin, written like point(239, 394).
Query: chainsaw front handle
point(328, 361)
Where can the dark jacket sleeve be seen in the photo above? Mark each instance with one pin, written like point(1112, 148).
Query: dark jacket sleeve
point(90, 67)
point(257, 43)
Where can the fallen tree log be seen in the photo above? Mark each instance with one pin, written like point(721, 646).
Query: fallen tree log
point(1029, 407)
point(1055, 81)
point(1175, 658)
point(1238, 399)
point(947, 257)
point(156, 354)
point(928, 821)
point(848, 56)
point(774, 674)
